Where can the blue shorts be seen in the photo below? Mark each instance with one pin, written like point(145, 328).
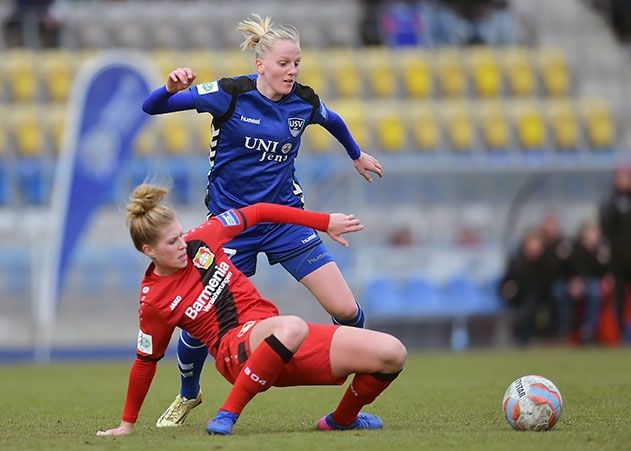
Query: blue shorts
point(299, 249)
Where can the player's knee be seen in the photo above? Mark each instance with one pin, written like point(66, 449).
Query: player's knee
point(394, 354)
point(345, 311)
point(293, 331)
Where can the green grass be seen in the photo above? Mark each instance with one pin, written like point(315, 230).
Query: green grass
point(440, 401)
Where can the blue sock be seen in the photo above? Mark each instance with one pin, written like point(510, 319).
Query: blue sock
point(358, 321)
point(191, 354)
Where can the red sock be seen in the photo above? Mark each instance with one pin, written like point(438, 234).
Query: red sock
point(363, 390)
point(258, 374)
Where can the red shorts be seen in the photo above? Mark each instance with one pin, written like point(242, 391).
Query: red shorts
point(310, 365)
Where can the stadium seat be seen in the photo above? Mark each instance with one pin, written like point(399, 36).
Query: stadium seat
point(34, 179)
point(4, 133)
point(529, 125)
point(235, 62)
point(381, 298)
point(377, 66)
point(201, 131)
point(451, 75)
point(311, 73)
point(519, 71)
point(485, 72)
point(424, 127)
point(53, 124)
point(421, 296)
point(458, 126)
point(203, 64)
point(27, 130)
point(346, 78)
point(416, 73)
point(146, 142)
point(354, 114)
point(21, 75)
point(563, 124)
point(554, 72)
point(461, 295)
point(390, 128)
point(599, 124)
point(57, 68)
point(5, 183)
point(166, 61)
point(494, 127)
point(174, 132)
point(318, 139)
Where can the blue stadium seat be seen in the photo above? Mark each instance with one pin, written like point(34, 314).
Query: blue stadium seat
point(421, 296)
point(462, 295)
point(381, 298)
point(35, 180)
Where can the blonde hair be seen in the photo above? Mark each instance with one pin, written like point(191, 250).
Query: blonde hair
point(146, 215)
point(261, 33)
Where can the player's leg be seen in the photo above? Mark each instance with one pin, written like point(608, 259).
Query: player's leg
point(191, 354)
point(313, 265)
point(272, 344)
point(376, 359)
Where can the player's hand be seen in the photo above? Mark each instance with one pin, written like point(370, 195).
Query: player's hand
point(179, 79)
point(340, 223)
point(124, 429)
point(367, 163)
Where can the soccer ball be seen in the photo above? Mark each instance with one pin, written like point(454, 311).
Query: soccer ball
point(532, 403)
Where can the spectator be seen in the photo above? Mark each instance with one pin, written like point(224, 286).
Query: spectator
point(615, 219)
point(588, 262)
point(557, 249)
point(32, 23)
point(524, 287)
point(403, 23)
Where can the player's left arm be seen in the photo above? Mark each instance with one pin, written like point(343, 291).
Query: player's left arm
point(224, 227)
point(335, 125)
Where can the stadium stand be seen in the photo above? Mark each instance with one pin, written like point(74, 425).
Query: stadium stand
point(414, 107)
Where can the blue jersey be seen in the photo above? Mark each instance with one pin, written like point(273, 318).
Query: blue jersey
point(254, 141)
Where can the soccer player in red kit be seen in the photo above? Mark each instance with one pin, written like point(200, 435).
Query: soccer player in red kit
point(191, 284)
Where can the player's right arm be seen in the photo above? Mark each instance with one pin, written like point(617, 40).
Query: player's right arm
point(153, 339)
point(168, 98)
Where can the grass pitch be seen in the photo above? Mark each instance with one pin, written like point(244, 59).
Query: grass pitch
point(441, 401)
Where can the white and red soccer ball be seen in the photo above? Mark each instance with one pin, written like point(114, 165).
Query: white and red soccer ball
point(532, 403)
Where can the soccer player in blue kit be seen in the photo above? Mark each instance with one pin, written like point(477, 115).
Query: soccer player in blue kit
point(257, 124)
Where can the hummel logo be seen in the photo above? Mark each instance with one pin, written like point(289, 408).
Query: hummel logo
point(250, 120)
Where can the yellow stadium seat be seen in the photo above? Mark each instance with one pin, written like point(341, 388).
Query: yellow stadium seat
point(424, 127)
point(416, 73)
point(529, 125)
point(318, 139)
point(174, 133)
point(458, 125)
point(21, 75)
point(451, 75)
point(166, 61)
point(378, 68)
point(485, 72)
point(346, 77)
point(494, 126)
point(4, 133)
point(201, 131)
point(519, 71)
point(598, 122)
point(235, 62)
point(203, 64)
point(389, 127)
point(146, 141)
point(311, 73)
point(354, 115)
point(54, 120)
point(27, 130)
point(58, 70)
point(554, 72)
point(563, 124)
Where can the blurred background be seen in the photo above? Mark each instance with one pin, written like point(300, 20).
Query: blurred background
point(501, 125)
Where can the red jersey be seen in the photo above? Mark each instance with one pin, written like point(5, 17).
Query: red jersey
point(208, 297)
